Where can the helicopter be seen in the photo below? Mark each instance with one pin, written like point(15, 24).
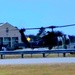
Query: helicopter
point(49, 40)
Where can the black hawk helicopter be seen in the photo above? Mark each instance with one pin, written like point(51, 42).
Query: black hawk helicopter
point(49, 40)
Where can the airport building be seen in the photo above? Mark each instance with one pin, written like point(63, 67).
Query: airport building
point(9, 34)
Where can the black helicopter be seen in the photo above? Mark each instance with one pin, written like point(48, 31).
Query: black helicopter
point(49, 40)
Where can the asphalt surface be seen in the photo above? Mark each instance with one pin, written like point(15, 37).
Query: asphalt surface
point(37, 61)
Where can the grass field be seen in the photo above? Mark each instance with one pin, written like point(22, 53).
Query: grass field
point(44, 69)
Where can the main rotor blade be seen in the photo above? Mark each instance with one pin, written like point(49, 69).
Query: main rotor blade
point(52, 27)
point(65, 26)
point(40, 28)
point(31, 28)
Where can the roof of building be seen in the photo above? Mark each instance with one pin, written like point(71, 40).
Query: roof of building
point(6, 23)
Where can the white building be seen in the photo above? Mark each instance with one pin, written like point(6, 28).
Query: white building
point(9, 34)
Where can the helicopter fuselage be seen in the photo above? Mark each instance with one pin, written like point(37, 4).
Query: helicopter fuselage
point(50, 40)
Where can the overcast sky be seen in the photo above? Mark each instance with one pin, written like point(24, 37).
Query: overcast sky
point(39, 13)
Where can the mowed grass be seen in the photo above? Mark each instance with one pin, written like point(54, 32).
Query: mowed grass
point(44, 69)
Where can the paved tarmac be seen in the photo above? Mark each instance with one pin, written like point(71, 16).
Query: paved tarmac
point(37, 61)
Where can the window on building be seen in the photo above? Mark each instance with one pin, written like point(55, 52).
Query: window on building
point(7, 30)
point(7, 41)
point(1, 40)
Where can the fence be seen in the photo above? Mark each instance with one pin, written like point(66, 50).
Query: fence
point(22, 52)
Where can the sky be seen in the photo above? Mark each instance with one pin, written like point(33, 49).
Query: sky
point(39, 13)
